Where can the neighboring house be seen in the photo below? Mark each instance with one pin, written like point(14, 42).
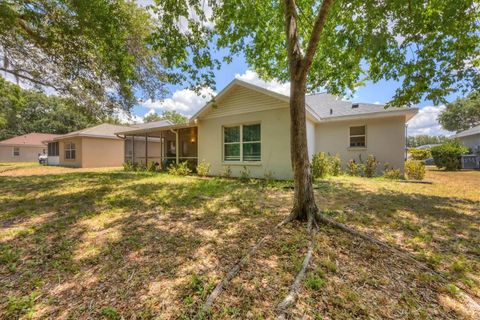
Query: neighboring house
point(99, 146)
point(24, 148)
point(247, 127)
point(470, 138)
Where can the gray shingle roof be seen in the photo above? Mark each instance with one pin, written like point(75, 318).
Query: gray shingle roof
point(105, 130)
point(468, 132)
point(153, 124)
point(328, 106)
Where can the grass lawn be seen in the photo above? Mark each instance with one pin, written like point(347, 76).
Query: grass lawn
point(110, 244)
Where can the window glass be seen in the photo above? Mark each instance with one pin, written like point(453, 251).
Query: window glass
point(70, 151)
point(252, 151)
point(232, 152)
point(231, 134)
point(251, 132)
point(16, 151)
point(357, 131)
point(357, 141)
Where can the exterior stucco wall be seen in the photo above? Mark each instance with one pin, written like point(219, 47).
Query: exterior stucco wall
point(275, 143)
point(98, 152)
point(310, 139)
point(385, 139)
point(77, 162)
point(27, 153)
point(472, 142)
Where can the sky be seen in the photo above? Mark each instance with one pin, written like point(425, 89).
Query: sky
point(188, 102)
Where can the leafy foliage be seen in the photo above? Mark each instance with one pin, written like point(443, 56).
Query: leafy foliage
point(415, 169)
point(25, 111)
point(370, 166)
point(173, 116)
point(391, 173)
point(430, 47)
point(94, 51)
point(203, 168)
point(420, 154)
point(448, 154)
point(320, 165)
point(353, 168)
point(461, 114)
point(181, 169)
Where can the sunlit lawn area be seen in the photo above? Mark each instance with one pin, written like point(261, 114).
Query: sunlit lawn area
point(111, 244)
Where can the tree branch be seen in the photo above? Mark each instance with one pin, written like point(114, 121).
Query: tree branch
point(320, 21)
point(33, 80)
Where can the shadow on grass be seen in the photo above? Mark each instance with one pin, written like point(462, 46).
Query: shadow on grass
point(441, 231)
point(122, 242)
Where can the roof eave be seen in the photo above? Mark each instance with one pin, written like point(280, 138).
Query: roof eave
point(408, 113)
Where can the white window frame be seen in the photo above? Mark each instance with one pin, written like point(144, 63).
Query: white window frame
point(241, 143)
point(69, 149)
point(18, 151)
point(350, 136)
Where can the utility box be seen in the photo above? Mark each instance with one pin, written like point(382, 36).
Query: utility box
point(470, 161)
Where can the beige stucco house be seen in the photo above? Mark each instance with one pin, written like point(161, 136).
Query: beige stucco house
point(246, 126)
point(470, 138)
point(24, 148)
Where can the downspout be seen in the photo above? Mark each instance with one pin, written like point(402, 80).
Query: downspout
point(176, 146)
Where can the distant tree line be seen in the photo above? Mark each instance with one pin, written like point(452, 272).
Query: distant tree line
point(172, 115)
point(24, 111)
point(420, 140)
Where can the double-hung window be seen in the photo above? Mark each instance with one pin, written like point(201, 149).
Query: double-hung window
point(358, 137)
point(242, 143)
point(16, 151)
point(70, 151)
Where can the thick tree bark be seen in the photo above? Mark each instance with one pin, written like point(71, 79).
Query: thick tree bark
point(304, 207)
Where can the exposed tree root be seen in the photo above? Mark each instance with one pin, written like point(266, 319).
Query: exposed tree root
point(295, 287)
point(466, 294)
point(236, 268)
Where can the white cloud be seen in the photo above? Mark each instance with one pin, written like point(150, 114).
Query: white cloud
point(185, 101)
point(425, 122)
point(127, 117)
point(253, 78)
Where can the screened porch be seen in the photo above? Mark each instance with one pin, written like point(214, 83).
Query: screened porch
point(164, 146)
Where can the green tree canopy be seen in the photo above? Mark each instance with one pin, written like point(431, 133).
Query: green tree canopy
point(172, 115)
point(423, 139)
point(24, 111)
point(461, 114)
point(94, 51)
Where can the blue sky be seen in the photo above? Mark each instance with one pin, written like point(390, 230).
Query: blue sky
point(187, 102)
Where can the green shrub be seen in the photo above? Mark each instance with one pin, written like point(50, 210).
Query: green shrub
point(335, 165)
point(227, 172)
point(391, 173)
point(320, 165)
point(140, 167)
point(203, 168)
point(152, 166)
point(420, 154)
point(181, 169)
point(353, 168)
point(245, 174)
point(415, 169)
point(128, 166)
point(448, 154)
point(370, 166)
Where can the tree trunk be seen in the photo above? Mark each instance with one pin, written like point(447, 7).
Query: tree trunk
point(304, 207)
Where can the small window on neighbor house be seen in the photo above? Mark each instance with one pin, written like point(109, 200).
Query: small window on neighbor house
point(357, 136)
point(16, 151)
point(70, 151)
